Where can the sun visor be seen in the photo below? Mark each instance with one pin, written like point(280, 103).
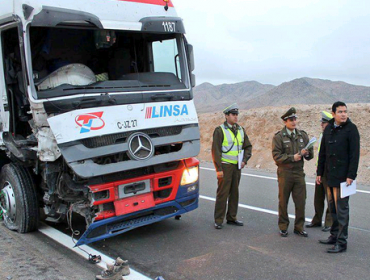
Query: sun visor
point(51, 16)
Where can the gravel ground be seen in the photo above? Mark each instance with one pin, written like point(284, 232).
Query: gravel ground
point(35, 256)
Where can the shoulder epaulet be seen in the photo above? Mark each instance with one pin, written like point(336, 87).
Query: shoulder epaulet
point(302, 131)
point(277, 132)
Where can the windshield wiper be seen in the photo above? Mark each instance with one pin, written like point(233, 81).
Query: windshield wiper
point(162, 96)
point(114, 87)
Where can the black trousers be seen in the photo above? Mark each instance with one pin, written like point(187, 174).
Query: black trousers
point(339, 209)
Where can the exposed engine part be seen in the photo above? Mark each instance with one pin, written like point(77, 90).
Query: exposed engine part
point(74, 186)
point(83, 208)
point(39, 115)
point(69, 190)
point(47, 149)
point(54, 209)
point(50, 172)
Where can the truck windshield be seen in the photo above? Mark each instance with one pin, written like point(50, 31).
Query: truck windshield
point(69, 61)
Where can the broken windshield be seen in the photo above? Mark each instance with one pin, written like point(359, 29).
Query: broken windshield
point(69, 61)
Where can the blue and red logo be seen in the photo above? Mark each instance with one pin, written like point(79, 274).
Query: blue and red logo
point(90, 121)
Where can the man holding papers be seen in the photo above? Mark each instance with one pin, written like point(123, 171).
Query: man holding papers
point(289, 147)
point(339, 157)
point(231, 150)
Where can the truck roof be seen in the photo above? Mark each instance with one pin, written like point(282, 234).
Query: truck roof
point(113, 14)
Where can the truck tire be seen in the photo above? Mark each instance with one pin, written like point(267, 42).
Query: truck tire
point(18, 199)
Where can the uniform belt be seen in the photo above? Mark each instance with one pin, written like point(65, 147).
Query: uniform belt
point(224, 162)
point(291, 167)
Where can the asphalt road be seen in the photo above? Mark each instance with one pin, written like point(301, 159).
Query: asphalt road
point(192, 249)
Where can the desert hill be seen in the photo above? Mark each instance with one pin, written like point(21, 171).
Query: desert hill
point(218, 97)
point(252, 94)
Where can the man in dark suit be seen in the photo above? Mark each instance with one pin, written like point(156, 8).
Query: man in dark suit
point(339, 157)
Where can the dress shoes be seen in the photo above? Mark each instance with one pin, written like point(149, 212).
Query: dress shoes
point(311, 225)
point(235, 223)
point(326, 229)
point(218, 226)
point(301, 233)
point(330, 240)
point(284, 233)
point(337, 248)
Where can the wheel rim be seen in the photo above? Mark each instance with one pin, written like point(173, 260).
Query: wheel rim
point(7, 202)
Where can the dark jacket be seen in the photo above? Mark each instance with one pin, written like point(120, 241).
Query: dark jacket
point(284, 147)
point(339, 153)
point(218, 138)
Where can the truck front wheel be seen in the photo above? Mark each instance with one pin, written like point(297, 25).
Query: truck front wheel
point(18, 199)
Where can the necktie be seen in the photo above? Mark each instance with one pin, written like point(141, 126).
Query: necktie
point(293, 135)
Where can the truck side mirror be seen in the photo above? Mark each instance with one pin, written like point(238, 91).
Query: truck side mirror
point(192, 80)
point(190, 55)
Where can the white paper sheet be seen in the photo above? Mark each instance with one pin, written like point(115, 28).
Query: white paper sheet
point(347, 190)
point(240, 159)
point(310, 143)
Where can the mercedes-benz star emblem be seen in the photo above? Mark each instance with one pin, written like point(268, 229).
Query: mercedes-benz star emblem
point(140, 146)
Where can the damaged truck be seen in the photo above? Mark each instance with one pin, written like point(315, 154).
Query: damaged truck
point(96, 114)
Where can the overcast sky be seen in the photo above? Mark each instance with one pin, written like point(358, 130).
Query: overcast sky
point(274, 41)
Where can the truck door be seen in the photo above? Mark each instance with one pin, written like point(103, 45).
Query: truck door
point(13, 97)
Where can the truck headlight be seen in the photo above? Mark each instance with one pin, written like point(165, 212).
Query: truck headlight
point(190, 175)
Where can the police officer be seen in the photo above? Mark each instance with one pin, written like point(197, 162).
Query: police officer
point(321, 189)
point(230, 144)
point(288, 153)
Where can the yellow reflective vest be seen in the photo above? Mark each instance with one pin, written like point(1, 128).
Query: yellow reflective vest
point(318, 150)
point(231, 145)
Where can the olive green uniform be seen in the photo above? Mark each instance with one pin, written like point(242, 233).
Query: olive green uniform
point(291, 176)
point(321, 191)
point(228, 186)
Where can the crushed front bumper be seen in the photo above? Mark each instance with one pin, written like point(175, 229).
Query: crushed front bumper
point(117, 225)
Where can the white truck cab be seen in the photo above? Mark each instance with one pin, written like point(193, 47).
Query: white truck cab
point(96, 114)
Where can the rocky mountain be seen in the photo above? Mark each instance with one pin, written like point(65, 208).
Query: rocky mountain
point(252, 94)
point(209, 98)
point(342, 90)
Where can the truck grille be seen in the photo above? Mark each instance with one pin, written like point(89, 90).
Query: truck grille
point(124, 175)
point(166, 149)
point(111, 139)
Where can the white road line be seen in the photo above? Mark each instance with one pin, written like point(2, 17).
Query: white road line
point(273, 178)
point(361, 191)
point(252, 175)
point(254, 208)
point(263, 210)
point(66, 241)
